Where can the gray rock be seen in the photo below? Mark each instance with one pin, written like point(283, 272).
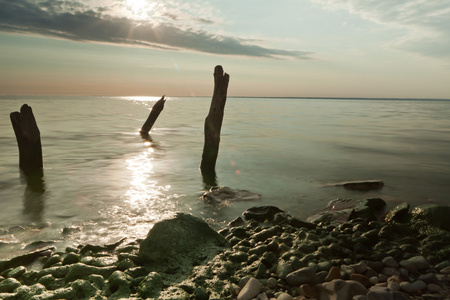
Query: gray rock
point(283, 269)
point(419, 262)
point(414, 287)
point(284, 296)
point(272, 283)
point(221, 194)
point(379, 294)
point(301, 276)
point(340, 289)
point(251, 289)
point(261, 213)
point(180, 242)
point(389, 261)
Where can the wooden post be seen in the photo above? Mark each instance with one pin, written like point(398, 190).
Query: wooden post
point(154, 113)
point(28, 139)
point(213, 124)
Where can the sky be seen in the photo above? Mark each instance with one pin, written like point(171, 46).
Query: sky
point(270, 48)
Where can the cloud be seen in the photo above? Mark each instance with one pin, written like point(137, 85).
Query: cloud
point(426, 23)
point(77, 21)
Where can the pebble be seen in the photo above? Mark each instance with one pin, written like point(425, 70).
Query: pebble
point(414, 287)
point(271, 283)
point(251, 289)
point(419, 262)
point(301, 276)
point(284, 296)
point(379, 294)
point(334, 273)
point(390, 262)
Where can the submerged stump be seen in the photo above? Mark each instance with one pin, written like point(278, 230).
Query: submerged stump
point(154, 114)
point(28, 140)
point(213, 125)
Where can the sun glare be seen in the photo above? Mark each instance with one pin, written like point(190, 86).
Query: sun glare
point(140, 9)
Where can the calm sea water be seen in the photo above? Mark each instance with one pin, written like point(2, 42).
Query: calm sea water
point(104, 182)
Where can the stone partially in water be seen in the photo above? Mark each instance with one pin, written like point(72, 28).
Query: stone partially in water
point(342, 210)
point(261, 213)
point(222, 194)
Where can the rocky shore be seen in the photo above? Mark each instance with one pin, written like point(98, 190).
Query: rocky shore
point(358, 253)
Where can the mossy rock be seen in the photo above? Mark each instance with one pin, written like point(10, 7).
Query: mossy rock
point(179, 243)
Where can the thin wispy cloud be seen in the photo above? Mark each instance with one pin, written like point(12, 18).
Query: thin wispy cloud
point(425, 23)
point(77, 21)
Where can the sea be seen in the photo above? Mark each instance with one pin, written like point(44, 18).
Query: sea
point(103, 182)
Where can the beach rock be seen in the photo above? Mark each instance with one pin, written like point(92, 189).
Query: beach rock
point(434, 214)
point(25, 259)
point(221, 194)
point(261, 213)
point(340, 290)
point(284, 296)
point(174, 293)
point(9, 285)
point(17, 272)
point(180, 243)
point(342, 210)
point(251, 289)
point(414, 287)
point(333, 274)
point(151, 286)
point(419, 262)
point(119, 285)
point(398, 214)
point(361, 279)
point(301, 276)
point(379, 294)
point(82, 271)
point(389, 261)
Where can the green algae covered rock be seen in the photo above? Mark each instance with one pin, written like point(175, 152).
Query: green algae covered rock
point(180, 243)
point(151, 286)
point(9, 285)
point(82, 271)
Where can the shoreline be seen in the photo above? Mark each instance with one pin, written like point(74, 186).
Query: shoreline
point(266, 254)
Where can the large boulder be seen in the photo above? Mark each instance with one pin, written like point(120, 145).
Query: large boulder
point(433, 214)
point(180, 243)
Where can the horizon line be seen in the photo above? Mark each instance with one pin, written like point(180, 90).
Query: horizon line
point(248, 97)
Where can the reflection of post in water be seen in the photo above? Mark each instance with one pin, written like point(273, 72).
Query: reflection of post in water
point(213, 124)
point(33, 197)
point(30, 159)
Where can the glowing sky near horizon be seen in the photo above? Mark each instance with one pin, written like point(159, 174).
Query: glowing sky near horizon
point(317, 48)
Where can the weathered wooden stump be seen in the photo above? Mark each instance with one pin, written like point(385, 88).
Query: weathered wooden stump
point(213, 125)
point(29, 141)
point(154, 113)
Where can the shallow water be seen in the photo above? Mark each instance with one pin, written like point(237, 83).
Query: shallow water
point(103, 181)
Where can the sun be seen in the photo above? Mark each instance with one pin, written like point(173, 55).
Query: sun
point(140, 9)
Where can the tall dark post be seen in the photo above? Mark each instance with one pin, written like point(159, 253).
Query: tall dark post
point(28, 139)
point(213, 125)
point(156, 110)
